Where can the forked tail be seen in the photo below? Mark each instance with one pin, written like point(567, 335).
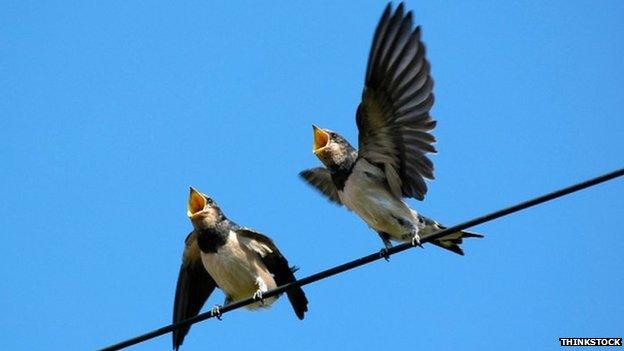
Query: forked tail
point(450, 242)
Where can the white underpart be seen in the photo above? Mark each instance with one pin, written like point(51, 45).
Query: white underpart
point(238, 270)
point(366, 194)
point(262, 287)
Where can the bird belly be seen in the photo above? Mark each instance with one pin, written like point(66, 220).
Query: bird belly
point(365, 195)
point(236, 270)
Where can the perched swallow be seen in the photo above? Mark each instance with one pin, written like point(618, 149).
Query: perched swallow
point(238, 260)
point(394, 137)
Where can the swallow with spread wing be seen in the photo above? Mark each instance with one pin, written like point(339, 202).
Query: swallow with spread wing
point(238, 260)
point(394, 137)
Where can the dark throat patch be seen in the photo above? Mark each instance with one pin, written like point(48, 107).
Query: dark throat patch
point(211, 239)
point(340, 174)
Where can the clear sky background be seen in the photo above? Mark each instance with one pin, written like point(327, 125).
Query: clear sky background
point(110, 110)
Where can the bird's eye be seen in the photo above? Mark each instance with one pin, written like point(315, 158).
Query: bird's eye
point(333, 135)
point(209, 201)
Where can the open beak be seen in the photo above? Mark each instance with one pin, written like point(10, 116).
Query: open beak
point(196, 202)
point(321, 139)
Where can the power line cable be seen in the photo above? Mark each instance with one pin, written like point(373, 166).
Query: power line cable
point(371, 258)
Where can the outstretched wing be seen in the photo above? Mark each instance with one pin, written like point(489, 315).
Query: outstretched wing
point(193, 289)
point(277, 264)
point(320, 178)
point(393, 118)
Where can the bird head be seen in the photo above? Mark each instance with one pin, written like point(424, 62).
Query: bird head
point(331, 148)
point(202, 210)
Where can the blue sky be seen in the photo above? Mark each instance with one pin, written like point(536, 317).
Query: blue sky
point(110, 110)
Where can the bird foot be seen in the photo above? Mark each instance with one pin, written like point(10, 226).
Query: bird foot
point(385, 254)
point(216, 312)
point(258, 296)
point(416, 240)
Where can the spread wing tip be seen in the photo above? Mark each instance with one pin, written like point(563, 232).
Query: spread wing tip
point(393, 118)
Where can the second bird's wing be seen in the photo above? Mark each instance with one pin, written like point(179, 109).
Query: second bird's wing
point(320, 178)
point(393, 118)
point(277, 265)
point(193, 289)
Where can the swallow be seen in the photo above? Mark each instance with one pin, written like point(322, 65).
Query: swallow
point(394, 125)
point(238, 260)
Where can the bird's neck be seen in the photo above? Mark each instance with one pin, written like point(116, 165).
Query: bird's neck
point(211, 238)
point(340, 173)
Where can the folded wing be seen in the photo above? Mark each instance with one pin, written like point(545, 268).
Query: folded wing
point(277, 264)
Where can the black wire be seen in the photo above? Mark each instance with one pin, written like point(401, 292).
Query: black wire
point(370, 258)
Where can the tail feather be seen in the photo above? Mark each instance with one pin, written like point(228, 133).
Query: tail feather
point(284, 274)
point(452, 241)
point(297, 298)
point(467, 234)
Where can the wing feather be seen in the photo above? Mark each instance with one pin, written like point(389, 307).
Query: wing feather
point(193, 288)
point(393, 118)
point(277, 264)
point(320, 178)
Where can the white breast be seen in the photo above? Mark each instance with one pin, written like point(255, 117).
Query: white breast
point(366, 194)
point(236, 270)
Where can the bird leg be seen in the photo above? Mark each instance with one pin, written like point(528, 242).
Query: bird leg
point(262, 288)
point(387, 243)
point(216, 312)
point(416, 239)
point(258, 296)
